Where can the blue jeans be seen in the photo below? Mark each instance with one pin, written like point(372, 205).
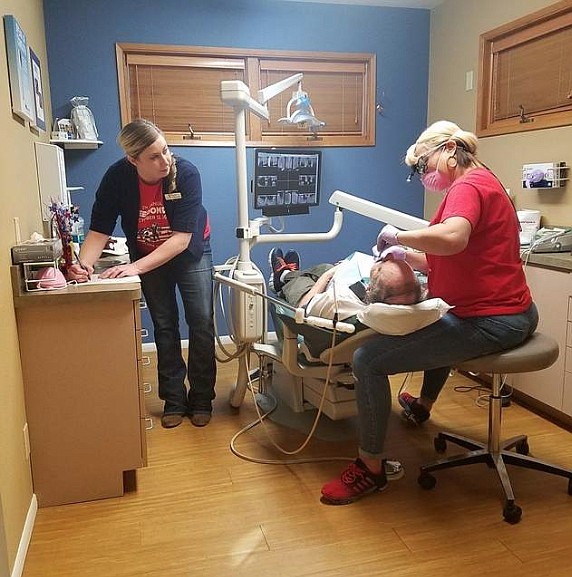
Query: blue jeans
point(193, 279)
point(434, 350)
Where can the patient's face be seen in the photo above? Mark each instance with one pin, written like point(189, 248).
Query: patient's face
point(393, 282)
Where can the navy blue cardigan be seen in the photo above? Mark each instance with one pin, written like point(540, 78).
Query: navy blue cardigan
point(118, 196)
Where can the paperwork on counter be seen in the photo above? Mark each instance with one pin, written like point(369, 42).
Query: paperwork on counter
point(95, 279)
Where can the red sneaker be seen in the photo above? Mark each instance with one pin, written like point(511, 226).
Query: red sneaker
point(412, 409)
point(279, 264)
point(355, 482)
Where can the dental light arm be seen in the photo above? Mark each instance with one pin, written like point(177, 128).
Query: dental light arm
point(273, 90)
point(376, 211)
point(278, 238)
point(237, 95)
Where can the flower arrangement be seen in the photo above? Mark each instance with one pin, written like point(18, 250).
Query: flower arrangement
point(63, 217)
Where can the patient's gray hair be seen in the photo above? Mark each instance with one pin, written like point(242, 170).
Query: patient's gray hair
point(393, 282)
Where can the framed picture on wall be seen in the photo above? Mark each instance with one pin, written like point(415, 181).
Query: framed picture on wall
point(40, 120)
point(19, 70)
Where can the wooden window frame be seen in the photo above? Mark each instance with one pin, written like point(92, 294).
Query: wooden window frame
point(254, 62)
point(532, 27)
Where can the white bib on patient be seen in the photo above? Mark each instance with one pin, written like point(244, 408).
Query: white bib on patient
point(402, 319)
point(338, 297)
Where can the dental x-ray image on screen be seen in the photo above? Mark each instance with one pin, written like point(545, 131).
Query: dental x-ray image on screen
point(286, 181)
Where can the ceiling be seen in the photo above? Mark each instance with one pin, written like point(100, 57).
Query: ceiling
point(427, 4)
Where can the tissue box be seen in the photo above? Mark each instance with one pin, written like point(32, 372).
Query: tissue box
point(43, 251)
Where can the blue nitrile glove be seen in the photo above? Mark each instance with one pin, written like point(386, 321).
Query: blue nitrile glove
point(387, 237)
point(393, 253)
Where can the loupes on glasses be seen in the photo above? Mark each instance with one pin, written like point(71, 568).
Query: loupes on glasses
point(420, 167)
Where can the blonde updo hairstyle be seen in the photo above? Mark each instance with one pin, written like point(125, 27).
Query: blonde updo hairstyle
point(136, 136)
point(439, 133)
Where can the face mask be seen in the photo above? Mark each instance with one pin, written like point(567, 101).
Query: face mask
point(435, 180)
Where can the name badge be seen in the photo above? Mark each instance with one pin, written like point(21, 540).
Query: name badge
point(173, 196)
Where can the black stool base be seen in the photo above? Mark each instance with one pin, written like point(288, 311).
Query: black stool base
point(480, 453)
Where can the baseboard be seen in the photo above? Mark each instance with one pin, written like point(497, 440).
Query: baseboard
point(18, 569)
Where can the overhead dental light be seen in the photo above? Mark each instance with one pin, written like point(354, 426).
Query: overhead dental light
point(303, 113)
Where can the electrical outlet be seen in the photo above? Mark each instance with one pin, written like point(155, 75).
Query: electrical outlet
point(26, 441)
point(469, 80)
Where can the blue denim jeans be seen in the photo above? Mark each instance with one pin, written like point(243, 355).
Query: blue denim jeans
point(434, 350)
point(193, 279)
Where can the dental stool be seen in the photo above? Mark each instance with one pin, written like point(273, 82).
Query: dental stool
point(537, 353)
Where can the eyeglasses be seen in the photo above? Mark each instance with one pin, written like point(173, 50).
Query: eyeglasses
point(420, 167)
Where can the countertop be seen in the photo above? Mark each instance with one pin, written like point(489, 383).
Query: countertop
point(108, 289)
point(553, 260)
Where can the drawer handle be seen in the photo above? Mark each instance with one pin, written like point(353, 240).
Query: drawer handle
point(145, 361)
point(149, 425)
point(144, 333)
point(147, 388)
point(142, 304)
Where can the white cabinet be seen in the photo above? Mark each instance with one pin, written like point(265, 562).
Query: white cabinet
point(51, 171)
point(552, 293)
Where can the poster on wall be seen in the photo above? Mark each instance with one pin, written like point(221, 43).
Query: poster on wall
point(40, 119)
point(19, 69)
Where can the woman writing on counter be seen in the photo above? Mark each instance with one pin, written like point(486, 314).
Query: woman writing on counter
point(159, 200)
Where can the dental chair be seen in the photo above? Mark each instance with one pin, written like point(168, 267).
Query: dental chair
point(307, 356)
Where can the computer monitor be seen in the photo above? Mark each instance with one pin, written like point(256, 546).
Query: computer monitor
point(286, 181)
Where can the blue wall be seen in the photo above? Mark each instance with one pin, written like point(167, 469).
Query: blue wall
point(81, 37)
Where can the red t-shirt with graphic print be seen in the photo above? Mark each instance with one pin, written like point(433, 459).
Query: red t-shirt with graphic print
point(153, 226)
point(487, 277)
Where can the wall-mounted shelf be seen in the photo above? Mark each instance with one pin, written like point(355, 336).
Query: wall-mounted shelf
point(78, 143)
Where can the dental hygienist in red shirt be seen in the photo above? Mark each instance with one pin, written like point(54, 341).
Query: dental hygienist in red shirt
point(470, 253)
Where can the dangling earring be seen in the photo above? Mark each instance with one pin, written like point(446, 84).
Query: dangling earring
point(452, 162)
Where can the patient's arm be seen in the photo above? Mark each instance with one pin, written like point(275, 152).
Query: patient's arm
point(319, 287)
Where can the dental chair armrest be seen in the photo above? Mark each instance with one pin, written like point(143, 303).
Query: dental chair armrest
point(328, 324)
point(343, 352)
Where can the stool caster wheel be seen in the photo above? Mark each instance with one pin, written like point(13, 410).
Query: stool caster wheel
point(427, 481)
point(522, 447)
point(440, 444)
point(512, 513)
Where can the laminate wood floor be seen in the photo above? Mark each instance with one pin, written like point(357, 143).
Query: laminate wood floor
point(200, 510)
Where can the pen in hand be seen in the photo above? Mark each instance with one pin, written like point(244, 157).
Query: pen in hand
point(82, 265)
